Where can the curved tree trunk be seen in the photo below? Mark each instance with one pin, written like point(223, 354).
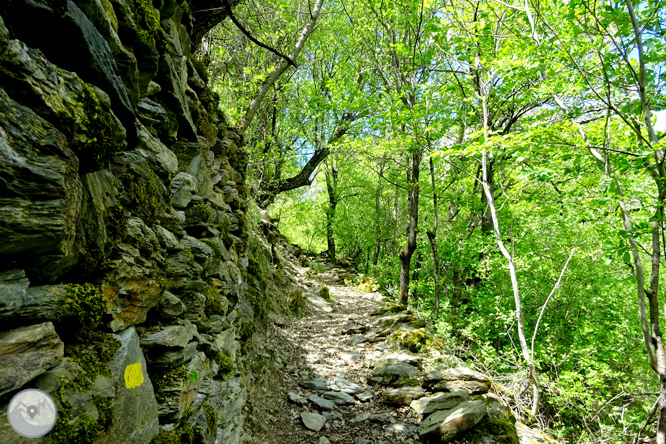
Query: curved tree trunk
point(413, 172)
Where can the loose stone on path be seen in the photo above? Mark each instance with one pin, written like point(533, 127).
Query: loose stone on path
point(313, 421)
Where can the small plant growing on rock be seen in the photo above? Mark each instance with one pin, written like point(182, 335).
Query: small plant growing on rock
point(325, 293)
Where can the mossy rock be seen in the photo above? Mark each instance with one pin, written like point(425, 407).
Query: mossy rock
point(325, 294)
point(412, 340)
point(296, 300)
point(391, 308)
point(144, 193)
point(183, 434)
point(493, 431)
point(406, 382)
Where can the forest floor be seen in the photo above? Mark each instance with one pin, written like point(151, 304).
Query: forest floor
point(324, 344)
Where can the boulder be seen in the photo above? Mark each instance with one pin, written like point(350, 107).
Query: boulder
point(313, 421)
point(27, 352)
point(439, 401)
point(40, 195)
point(135, 419)
point(315, 384)
point(79, 110)
point(389, 374)
point(173, 336)
point(339, 398)
point(184, 188)
point(402, 395)
point(443, 425)
point(88, 54)
point(345, 386)
point(457, 379)
point(321, 403)
point(297, 399)
point(131, 288)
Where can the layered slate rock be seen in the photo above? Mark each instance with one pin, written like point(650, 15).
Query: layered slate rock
point(40, 193)
point(443, 425)
point(402, 395)
point(392, 373)
point(135, 407)
point(439, 401)
point(313, 421)
point(27, 352)
point(457, 379)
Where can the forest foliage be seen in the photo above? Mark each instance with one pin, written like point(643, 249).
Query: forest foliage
point(401, 102)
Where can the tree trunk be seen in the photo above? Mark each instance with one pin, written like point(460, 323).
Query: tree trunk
point(332, 188)
point(378, 195)
point(432, 237)
point(413, 171)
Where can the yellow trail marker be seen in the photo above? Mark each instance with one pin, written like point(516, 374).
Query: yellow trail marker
point(133, 375)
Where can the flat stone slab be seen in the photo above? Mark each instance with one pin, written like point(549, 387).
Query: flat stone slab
point(402, 395)
point(345, 386)
point(339, 398)
point(356, 339)
point(365, 396)
point(457, 379)
point(297, 399)
point(321, 403)
point(313, 421)
point(27, 352)
point(438, 401)
point(315, 384)
point(445, 424)
point(387, 374)
point(416, 361)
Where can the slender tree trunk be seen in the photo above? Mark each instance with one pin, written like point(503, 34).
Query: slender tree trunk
point(378, 195)
point(490, 199)
point(332, 187)
point(432, 237)
point(279, 69)
point(413, 172)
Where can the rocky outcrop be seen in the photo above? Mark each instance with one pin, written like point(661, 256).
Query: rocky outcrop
point(132, 281)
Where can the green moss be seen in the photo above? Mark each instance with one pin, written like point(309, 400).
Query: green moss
point(101, 146)
point(225, 363)
point(83, 429)
point(199, 213)
point(167, 379)
point(392, 308)
point(213, 302)
point(211, 417)
point(412, 340)
point(406, 382)
point(92, 354)
point(148, 19)
point(296, 300)
point(84, 307)
point(95, 257)
point(325, 293)
point(500, 431)
point(184, 434)
point(108, 7)
point(213, 246)
point(200, 68)
point(144, 195)
point(105, 411)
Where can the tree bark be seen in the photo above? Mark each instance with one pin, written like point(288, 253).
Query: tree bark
point(332, 189)
point(282, 67)
point(432, 237)
point(378, 195)
point(413, 172)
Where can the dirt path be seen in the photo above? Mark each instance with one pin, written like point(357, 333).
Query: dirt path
point(333, 340)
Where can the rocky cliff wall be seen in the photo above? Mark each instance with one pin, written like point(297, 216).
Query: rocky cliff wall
point(132, 273)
